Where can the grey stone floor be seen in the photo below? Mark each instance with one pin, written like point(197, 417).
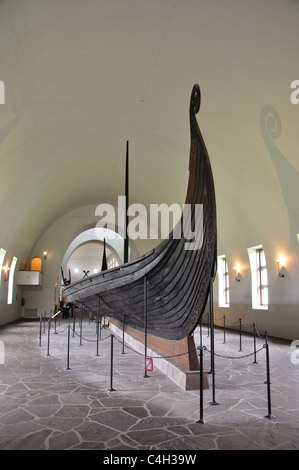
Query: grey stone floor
point(45, 406)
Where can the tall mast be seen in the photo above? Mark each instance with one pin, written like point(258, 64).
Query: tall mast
point(104, 259)
point(126, 240)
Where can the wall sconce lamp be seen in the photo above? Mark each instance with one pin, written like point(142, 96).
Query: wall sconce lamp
point(237, 270)
point(280, 264)
point(45, 255)
point(5, 270)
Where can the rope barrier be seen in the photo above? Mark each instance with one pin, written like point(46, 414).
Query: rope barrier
point(233, 323)
point(246, 326)
point(82, 337)
point(236, 357)
point(201, 348)
point(156, 357)
point(59, 332)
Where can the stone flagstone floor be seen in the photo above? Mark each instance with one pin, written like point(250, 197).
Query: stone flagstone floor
point(44, 406)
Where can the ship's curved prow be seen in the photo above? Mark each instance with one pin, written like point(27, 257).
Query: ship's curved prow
point(177, 279)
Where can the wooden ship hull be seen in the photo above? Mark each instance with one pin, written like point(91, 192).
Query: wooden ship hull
point(166, 290)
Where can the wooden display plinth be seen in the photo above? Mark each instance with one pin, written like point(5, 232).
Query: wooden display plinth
point(176, 359)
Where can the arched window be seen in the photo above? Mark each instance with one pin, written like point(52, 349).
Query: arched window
point(2, 92)
point(10, 280)
point(2, 256)
point(223, 282)
point(36, 264)
point(259, 277)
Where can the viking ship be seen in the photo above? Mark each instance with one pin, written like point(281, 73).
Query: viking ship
point(170, 285)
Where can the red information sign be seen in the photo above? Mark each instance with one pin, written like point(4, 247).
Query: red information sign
point(149, 366)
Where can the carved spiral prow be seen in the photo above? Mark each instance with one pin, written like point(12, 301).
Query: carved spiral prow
point(195, 99)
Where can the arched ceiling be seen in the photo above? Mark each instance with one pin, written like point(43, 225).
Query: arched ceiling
point(83, 76)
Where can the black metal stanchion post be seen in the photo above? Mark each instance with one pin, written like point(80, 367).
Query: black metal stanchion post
point(268, 382)
point(55, 332)
point(40, 330)
point(210, 336)
point(145, 323)
point(68, 347)
point(224, 331)
point(240, 329)
point(81, 315)
point(201, 420)
point(213, 402)
point(111, 365)
point(254, 343)
point(123, 350)
point(74, 321)
point(98, 325)
point(49, 327)
point(200, 331)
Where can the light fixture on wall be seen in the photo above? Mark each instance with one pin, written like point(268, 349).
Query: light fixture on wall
point(5, 270)
point(237, 271)
point(280, 264)
point(45, 255)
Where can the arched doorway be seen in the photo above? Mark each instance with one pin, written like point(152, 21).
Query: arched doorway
point(86, 259)
point(85, 252)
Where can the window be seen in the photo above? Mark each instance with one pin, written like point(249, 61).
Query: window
point(10, 280)
point(259, 277)
point(113, 262)
point(2, 92)
point(2, 256)
point(223, 282)
point(36, 264)
point(262, 278)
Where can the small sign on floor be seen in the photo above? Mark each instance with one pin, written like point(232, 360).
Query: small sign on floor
point(149, 366)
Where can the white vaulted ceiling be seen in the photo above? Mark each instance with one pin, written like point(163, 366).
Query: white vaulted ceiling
point(83, 76)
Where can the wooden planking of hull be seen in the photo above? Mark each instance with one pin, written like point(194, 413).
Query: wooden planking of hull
point(171, 283)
